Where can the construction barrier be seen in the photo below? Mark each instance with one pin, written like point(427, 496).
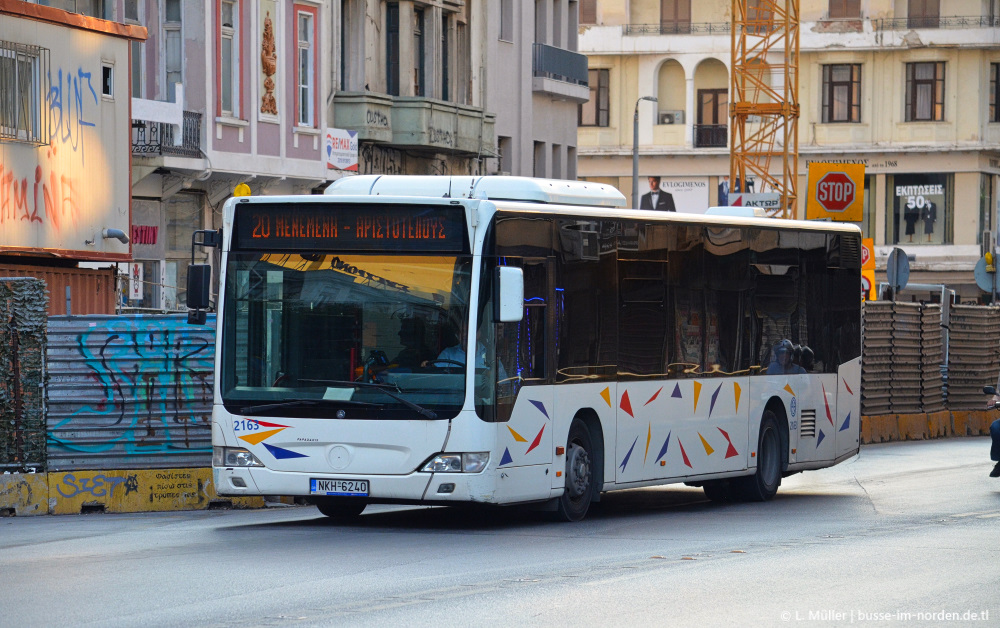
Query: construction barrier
point(116, 490)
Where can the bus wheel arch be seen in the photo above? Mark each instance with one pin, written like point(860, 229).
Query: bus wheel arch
point(593, 423)
point(772, 457)
point(777, 408)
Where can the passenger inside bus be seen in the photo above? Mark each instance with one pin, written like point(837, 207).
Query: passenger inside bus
point(781, 360)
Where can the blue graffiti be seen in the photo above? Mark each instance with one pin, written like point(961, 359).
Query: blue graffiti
point(65, 101)
point(154, 380)
point(98, 486)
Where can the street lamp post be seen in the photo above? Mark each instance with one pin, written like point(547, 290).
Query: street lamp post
point(635, 151)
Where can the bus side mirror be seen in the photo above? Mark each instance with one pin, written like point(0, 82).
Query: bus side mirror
point(199, 280)
point(199, 286)
point(510, 294)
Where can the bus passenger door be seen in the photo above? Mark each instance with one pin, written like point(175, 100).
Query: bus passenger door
point(525, 364)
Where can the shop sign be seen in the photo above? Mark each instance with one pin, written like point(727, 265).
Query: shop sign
point(341, 149)
point(135, 277)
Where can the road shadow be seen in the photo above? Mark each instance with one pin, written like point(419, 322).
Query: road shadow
point(626, 505)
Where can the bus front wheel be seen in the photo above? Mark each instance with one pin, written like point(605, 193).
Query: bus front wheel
point(575, 501)
point(762, 485)
point(341, 508)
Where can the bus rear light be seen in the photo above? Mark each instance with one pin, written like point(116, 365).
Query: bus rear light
point(458, 463)
point(234, 457)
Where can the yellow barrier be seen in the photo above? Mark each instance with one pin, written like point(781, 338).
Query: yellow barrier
point(144, 490)
point(894, 427)
point(24, 494)
point(137, 491)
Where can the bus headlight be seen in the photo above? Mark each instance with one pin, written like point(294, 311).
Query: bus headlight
point(234, 457)
point(473, 462)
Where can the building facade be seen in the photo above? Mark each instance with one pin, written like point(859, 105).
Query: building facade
point(64, 151)
point(226, 92)
point(537, 79)
point(411, 81)
point(906, 87)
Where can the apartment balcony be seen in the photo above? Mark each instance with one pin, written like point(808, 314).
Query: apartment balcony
point(711, 136)
point(416, 123)
point(159, 138)
point(925, 21)
point(677, 28)
point(560, 73)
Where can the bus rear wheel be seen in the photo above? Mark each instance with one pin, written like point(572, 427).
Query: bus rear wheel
point(762, 485)
point(340, 508)
point(575, 501)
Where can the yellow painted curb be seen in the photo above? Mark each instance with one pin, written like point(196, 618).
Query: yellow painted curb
point(145, 490)
point(24, 494)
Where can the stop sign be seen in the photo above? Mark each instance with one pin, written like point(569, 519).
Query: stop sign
point(835, 191)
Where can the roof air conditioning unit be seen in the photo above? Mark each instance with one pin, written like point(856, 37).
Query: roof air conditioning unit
point(672, 117)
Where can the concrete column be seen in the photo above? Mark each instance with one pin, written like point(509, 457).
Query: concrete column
point(434, 52)
point(690, 113)
point(407, 54)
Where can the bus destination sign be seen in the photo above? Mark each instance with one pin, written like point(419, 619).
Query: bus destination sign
point(334, 226)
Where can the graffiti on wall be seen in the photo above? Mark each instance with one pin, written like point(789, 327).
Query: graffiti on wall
point(375, 159)
point(42, 189)
point(58, 204)
point(65, 99)
point(130, 386)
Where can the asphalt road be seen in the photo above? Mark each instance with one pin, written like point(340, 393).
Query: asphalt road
point(898, 536)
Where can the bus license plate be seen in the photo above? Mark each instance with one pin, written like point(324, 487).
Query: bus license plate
point(353, 488)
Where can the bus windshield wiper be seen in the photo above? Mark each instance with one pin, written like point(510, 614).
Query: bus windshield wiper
point(257, 408)
point(390, 389)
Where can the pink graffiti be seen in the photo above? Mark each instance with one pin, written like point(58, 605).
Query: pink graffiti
point(60, 195)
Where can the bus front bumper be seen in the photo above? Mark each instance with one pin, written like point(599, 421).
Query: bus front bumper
point(411, 488)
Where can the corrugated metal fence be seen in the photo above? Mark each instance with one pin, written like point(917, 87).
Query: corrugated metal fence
point(916, 362)
point(129, 392)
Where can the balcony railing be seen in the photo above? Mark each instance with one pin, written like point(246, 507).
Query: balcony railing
point(157, 138)
point(559, 64)
point(677, 28)
point(710, 136)
point(907, 23)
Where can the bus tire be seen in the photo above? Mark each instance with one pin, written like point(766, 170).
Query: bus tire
point(575, 500)
point(762, 485)
point(340, 508)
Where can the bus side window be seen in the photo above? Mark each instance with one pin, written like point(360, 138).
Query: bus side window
point(522, 345)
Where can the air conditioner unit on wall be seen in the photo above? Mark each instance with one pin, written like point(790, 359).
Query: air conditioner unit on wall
point(671, 117)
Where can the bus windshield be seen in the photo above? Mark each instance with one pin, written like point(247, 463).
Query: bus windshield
point(376, 336)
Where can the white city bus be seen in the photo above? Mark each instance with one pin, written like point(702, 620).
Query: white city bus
point(504, 340)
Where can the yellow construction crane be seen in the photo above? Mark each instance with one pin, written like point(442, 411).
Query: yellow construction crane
point(764, 90)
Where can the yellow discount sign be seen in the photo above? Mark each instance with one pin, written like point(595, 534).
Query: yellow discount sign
point(836, 192)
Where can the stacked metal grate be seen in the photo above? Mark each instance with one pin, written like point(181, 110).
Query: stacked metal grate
point(876, 362)
point(932, 357)
point(973, 355)
point(907, 379)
